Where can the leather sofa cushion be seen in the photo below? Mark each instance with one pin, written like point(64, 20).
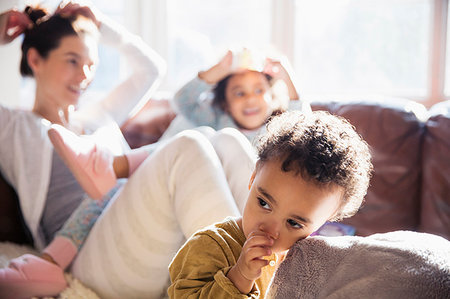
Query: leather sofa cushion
point(393, 131)
point(148, 125)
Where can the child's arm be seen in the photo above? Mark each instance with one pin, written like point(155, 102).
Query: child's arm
point(189, 102)
point(189, 99)
point(250, 263)
point(277, 70)
point(218, 71)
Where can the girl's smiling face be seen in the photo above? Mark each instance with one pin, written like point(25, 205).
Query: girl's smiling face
point(285, 206)
point(248, 99)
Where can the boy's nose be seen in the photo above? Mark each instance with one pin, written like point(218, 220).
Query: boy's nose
point(270, 229)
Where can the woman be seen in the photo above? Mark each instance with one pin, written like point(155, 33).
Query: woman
point(165, 201)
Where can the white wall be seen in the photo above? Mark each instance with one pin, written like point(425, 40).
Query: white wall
point(9, 65)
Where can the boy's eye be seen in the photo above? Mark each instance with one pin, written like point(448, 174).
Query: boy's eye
point(294, 224)
point(263, 203)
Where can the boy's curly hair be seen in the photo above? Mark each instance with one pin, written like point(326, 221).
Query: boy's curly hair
point(322, 148)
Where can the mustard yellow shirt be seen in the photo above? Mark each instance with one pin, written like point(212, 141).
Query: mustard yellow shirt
point(200, 267)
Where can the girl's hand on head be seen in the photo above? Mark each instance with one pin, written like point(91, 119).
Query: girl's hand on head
point(282, 71)
point(71, 8)
point(226, 62)
point(250, 263)
point(275, 69)
point(12, 24)
point(218, 71)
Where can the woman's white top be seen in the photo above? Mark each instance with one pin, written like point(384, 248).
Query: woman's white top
point(25, 150)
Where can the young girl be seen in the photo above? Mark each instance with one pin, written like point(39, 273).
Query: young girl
point(241, 91)
point(311, 168)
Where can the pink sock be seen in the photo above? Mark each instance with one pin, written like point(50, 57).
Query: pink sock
point(30, 276)
point(135, 158)
point(62, 250)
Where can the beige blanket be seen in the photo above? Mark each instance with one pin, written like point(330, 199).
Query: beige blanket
point(396, 265)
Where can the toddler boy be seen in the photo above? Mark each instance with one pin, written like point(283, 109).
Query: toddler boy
point(311, 168)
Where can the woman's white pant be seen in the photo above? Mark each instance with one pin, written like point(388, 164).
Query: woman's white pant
point(178, 189)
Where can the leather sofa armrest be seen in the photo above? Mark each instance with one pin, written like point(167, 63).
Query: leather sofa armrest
point(435, 199)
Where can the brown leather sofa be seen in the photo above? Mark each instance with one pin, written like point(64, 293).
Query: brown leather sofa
point(410, 187)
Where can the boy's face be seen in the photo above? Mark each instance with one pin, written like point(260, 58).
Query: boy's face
point(285, 206)
point(248, 99)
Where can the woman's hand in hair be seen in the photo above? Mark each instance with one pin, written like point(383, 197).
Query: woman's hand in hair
point(12, 24)
point(70, 8)
point(218, 71)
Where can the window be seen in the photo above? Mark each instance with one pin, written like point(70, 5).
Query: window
point(200, 31)
point(357, 46)
point(387, 47)
point(335, 46)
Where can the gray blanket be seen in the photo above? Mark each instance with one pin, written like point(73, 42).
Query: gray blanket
point(399, 264)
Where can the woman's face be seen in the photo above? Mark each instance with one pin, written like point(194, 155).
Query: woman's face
point(67, 71)
point(248, 99)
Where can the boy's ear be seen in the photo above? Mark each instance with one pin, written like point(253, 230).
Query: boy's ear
point(336, 215)
point(33, 59)
point(252, 178)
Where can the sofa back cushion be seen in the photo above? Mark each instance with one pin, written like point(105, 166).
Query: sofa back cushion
point(394, 132)
point(149, 123)
point(435, 211)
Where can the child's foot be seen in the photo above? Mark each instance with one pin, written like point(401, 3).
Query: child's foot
point(28, 276)
point(91, 164)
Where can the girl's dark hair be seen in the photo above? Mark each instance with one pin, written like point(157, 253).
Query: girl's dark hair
point(324, 149)
point(46, 33)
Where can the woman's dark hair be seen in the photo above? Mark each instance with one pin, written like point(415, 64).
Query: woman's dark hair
point(324, 149)
point(46, 33)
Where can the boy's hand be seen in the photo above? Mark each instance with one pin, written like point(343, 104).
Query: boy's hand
point(12, 24)
point(219, 70)
point(250, 262)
